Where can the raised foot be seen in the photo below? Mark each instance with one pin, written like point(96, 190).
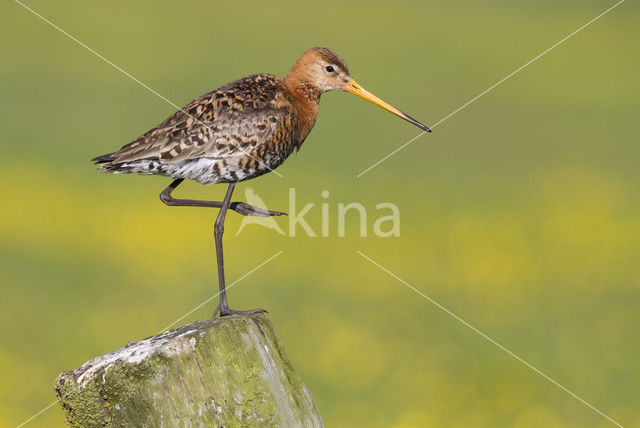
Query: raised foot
point(251, 210)
point(226, 311)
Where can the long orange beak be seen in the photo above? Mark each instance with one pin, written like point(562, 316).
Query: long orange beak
point(358, 90)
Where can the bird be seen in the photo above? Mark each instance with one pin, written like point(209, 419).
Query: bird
point(238, 132)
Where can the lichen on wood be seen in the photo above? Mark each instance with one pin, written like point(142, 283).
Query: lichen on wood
point(229, 372)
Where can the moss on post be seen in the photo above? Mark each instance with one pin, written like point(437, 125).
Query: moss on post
point(230, 372)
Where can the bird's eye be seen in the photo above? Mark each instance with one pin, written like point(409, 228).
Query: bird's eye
point(329, 69)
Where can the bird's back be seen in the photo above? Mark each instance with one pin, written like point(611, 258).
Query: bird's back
point(236, 132)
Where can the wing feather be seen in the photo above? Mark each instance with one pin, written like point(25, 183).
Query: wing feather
point(228, 121)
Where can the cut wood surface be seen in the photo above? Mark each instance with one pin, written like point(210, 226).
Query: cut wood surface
point(224, 372)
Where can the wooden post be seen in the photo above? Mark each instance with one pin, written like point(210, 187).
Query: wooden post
point(224, 372)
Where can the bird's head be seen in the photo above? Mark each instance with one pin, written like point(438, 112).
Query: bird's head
point(323, 69)
point(320, 70)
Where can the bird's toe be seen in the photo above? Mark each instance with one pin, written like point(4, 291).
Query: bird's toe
point(251, 210)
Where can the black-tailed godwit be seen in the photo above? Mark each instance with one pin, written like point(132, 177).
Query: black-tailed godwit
point(238, 132)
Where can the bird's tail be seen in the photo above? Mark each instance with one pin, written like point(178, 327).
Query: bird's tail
point(103, 158)
point(105, 162)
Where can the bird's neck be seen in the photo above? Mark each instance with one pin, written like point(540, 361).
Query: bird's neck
point(306, 98)
point(302, 89)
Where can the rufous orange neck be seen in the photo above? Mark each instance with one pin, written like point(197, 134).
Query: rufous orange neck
point(299, 84)
point(306, 98)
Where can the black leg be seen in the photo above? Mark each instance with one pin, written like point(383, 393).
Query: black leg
point(218, 230)
point(239, 207)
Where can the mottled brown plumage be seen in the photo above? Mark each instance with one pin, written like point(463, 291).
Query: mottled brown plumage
point(237, 132)
point(242, 130)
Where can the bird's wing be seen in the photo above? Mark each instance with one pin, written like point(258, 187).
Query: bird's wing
point(230, 120)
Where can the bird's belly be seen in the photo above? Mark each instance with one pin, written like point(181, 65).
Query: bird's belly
point(215, 170)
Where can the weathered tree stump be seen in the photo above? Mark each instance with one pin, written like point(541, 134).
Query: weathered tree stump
point(226, 372)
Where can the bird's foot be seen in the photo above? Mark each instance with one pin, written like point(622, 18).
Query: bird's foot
point(227, 311)
point(251, 210)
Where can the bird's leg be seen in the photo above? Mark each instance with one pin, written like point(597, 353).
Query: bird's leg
point(239, 207)
point(218, 230)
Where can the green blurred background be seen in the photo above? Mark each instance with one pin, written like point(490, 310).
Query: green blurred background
point(520, 213)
